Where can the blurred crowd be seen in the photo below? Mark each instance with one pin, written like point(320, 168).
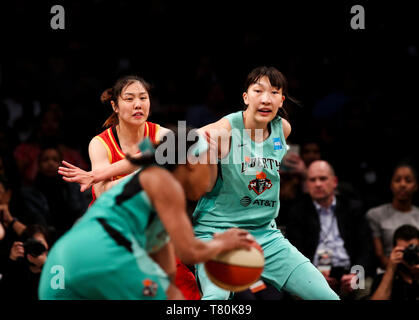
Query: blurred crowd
point(351, 143)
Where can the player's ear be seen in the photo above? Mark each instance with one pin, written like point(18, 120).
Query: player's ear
point(245, 98)
point(114, 106)
point(282, 101)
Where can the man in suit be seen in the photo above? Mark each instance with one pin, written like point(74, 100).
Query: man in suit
point(330, 229)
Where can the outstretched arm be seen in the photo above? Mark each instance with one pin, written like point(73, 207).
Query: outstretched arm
point(100, 161)
point(102, 171)
point(86, 179)
point(218, 135)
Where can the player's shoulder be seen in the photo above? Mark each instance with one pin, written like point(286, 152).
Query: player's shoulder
point(286, 127)
point(97, 141)
point(102, 136)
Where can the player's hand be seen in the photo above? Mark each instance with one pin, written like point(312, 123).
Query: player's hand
point(235, 238)
point(211, 141)
point(17, 251)
point(72, 173)
point(213, 148)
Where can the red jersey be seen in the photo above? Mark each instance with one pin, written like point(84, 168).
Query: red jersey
point(186, 282)
point(109, 139)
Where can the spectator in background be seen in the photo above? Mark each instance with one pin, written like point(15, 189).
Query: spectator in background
point(56, 202)
point(11, 227)
point(385, 219)
point(301, 156)
point(294, 173)
point(330, 229)
point(310, 151)
point(27, 153)
point(6, 219)
point(23, 268)
point(401, 279)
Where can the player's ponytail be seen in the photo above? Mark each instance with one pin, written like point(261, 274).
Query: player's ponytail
point(106, 98)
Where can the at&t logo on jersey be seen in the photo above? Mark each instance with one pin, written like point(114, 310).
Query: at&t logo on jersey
point(260, 184)
point(246, 201)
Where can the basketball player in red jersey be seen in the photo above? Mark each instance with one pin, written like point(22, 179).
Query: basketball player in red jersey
point(126, 127)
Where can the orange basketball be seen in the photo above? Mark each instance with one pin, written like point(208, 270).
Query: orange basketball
point(236, 270)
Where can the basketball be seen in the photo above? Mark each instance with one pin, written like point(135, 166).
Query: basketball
point(236, 270)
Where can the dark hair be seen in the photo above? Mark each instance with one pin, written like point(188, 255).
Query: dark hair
point(277, 79)
point(406, 164)
point(33, 229)
point(405, 232)
point(150, 159)
point(112, 94)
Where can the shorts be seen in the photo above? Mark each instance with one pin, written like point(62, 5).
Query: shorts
point(87, 263)
point(281, 258)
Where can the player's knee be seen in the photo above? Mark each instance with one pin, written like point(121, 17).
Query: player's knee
point(307, 282)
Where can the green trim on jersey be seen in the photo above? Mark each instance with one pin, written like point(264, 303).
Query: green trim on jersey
point(246, 193)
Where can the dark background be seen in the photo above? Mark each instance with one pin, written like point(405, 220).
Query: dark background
point(357, 87)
